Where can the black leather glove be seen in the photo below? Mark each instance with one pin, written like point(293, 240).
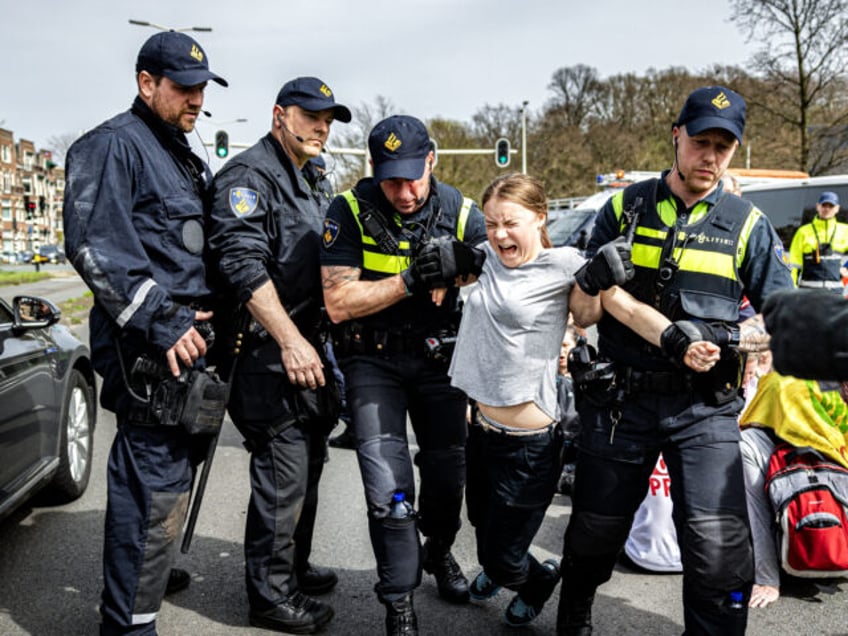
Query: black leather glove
point(610, 266)
point(677, 337)
point(442, 259)
point(412, 279)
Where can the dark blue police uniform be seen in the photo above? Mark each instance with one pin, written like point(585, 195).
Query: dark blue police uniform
point(691, 264)
point(133, 230)
point(390, 372)
point(265, 224)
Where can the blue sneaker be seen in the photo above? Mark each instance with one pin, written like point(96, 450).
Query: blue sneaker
point(483, 588)
point(520, 613)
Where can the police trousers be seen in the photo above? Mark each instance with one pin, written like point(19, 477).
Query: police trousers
point(148, 486)
point(284, 476)
point(511, 482)
point(381, 392)
point(700, 445)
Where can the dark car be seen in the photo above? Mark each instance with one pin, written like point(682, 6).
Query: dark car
point(48, 413)
point(49, 254)
point(574, 227)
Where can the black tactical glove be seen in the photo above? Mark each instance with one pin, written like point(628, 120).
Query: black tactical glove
point(442, 259)
point(677, 337)
point(610, 266)
point(412, 278)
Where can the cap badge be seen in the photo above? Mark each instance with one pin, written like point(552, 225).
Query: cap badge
point(196, 53)
point(325, 91)
point(392, 143)
point(720, 101)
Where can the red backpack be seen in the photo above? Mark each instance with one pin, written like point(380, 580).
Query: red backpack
point(809, 494)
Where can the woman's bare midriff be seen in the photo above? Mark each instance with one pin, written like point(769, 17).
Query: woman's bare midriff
point(526, 415)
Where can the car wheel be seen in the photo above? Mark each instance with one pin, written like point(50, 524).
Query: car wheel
point(76, 446)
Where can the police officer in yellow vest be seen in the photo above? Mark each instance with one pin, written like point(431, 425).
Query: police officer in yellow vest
point(389, 244)
point(696, 250)
point(820, 247)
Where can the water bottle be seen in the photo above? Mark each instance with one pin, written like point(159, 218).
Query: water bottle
point(736, 600)
point(400, 508)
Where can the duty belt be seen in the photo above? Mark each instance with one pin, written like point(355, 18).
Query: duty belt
point(663, 382)
point(358, 339)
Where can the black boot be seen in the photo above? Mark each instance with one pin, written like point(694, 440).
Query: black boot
point(438, 561)
point(574, 617)
point(177, 580)
point(315, 580)
point(400, 617)
point(296, 614)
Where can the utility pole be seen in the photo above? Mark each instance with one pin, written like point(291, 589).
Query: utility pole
point(524, 136)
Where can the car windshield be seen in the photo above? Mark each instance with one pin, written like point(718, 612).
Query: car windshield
point(566, 224)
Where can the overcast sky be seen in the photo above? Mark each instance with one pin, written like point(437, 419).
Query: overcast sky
point(68, 65)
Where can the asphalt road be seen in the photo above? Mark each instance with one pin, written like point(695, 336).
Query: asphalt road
point(50, 574)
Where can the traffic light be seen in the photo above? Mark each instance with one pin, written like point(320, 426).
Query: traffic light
point(222, 143)
point(29, 206)
point(502, 152)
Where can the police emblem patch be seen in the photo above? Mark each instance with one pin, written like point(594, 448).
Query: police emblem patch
point(331, 232)
point(243, 201)
point(781, 254)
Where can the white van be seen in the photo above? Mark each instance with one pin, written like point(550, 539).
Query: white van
point(792, 202)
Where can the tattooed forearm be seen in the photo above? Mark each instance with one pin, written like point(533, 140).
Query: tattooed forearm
point(337, 275)
point(753, 337)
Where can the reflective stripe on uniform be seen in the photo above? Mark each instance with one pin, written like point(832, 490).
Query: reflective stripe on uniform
point(138, 299)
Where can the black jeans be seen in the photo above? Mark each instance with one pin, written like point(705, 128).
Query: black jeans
point(511, 482)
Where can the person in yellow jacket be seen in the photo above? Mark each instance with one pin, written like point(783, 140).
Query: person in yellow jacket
point(820, 247)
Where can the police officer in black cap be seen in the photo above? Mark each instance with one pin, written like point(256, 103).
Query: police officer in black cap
point(391, 245)
point(265, 232)
point(696, 250)
point(134, 186)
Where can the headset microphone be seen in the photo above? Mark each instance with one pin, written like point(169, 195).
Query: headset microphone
point(207, 113)
point(284, 127)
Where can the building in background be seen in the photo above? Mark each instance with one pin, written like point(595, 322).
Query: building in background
point(31, 192)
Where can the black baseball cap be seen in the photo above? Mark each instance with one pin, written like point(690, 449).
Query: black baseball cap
point(713, 107)
point(178, 57)
point(399, 146)
point(313, 95)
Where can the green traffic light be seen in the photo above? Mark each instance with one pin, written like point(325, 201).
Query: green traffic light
point(221, 152)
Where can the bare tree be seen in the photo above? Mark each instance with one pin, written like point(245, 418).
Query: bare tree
point(803, 56)
point(347, 169)
point(575, 93)
point(59, 145)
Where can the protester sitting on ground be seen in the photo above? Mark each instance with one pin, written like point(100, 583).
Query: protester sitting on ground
point(802, 413)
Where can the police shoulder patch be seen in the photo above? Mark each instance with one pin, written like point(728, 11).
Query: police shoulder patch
point(781, 254)
point(331, 232)
point(243, 201)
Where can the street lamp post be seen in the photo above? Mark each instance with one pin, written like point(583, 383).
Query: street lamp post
point(524, 136)
point(164, 28)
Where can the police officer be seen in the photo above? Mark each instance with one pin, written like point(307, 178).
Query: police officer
point(393, 344)
point(820, 247)
point(265, 228)
point(133, 230)
point(695, 250)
